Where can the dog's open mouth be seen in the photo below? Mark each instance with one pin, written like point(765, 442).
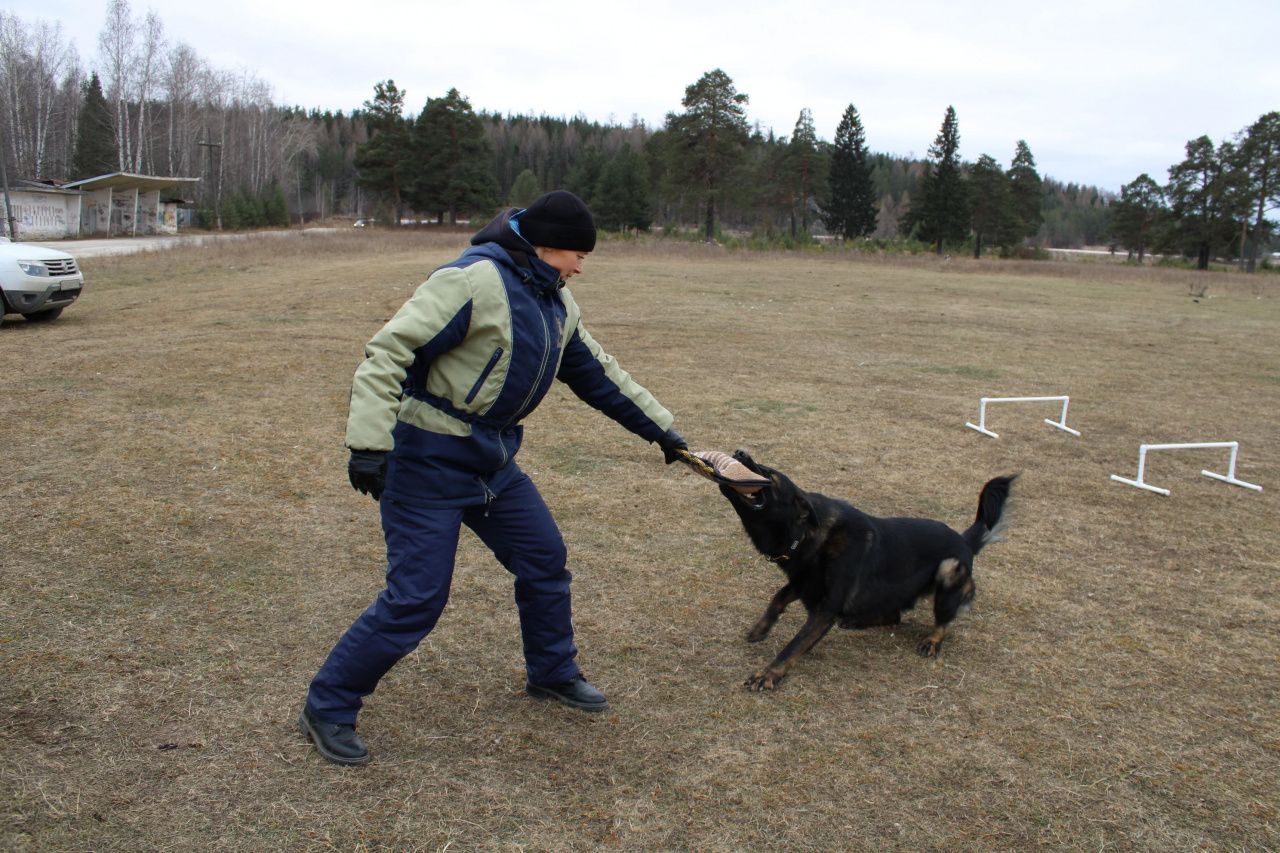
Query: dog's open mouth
point(757, 496)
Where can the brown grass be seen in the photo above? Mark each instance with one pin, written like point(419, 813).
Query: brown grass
point(180, 548)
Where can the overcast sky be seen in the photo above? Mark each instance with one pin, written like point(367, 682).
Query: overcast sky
point(1101, 91)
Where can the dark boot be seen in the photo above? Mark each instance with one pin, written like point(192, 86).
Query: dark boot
point(576, 694)
point(337, 742)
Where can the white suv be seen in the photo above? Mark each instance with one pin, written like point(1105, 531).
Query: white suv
point(36, 282)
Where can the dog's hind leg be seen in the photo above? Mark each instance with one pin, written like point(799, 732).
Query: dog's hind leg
point(813, 630)
point(777, 604)
point(954, 591)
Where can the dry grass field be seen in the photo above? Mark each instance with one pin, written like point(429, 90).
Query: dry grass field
point(179, 549)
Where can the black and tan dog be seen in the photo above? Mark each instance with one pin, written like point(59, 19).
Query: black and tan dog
point(856, 569)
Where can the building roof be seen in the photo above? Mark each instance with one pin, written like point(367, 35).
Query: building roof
point(128, 181)
point(25, 186)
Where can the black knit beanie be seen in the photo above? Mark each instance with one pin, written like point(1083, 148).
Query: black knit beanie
point(559, 220)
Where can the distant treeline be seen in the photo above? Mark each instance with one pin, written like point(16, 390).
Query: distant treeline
point(152, 107)
point(608, 164)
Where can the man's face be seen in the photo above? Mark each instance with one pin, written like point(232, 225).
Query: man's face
point(567, 261)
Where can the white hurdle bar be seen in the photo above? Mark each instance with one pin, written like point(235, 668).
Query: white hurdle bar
point(1229, 477)
point(1060, 423)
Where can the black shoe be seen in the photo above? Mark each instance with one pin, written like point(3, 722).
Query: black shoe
point(337, 742)
point(576, 694)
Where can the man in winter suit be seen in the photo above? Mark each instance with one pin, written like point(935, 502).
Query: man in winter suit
point(433, 430)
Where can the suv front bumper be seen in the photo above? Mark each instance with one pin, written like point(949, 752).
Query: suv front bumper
point(50, 294)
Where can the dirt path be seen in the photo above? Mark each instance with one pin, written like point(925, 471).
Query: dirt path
point(98, 247)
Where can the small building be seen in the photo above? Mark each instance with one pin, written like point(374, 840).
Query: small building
point(122, 203)
point(41, 211)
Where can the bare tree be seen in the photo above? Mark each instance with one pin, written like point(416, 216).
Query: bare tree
point(117, 43)
point(299, 140)
point(214, 97)
point(33, 62)
point(148, 67)
point(65, 119)
point(251, 128)
point(181, 82)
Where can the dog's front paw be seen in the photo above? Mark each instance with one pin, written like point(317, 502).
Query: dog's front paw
point(759, 631)
point(929, 647)
point(764, 680)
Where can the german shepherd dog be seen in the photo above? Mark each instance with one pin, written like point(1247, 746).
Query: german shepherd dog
point(856, 569)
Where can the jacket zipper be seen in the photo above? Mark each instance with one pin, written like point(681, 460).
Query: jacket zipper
point(484, 374)
point(542, 368)
point(542, 371)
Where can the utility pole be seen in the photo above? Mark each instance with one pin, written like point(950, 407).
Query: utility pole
point(217, 180)
point(8, 206)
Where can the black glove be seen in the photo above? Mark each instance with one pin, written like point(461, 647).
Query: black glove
point(671, 442)
point(368, 471)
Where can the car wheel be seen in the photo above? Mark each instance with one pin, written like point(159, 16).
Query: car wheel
point(43, 316)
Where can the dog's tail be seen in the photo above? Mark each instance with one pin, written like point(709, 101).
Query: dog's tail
point(989, 526)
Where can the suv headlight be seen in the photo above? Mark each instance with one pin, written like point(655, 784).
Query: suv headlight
point(35, 268)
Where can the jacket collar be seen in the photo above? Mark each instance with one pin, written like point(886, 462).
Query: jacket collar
point(499, 241)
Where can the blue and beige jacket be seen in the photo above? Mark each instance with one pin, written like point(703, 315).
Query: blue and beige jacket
point(446, 382)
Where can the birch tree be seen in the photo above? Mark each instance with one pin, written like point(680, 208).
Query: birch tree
point(33, 61)
point(148, 67)
point(66, 117)
point(182, 72)
point(214, 88)
point(116, 43)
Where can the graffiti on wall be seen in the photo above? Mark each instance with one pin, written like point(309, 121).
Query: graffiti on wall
point(95, 215)
point(37, 216)
point(41, 217)
point(123, 209)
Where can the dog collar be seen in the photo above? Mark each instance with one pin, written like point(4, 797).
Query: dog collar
point(786, 556)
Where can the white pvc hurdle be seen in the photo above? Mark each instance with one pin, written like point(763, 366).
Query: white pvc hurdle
point(981, 425)
point(1229, 477)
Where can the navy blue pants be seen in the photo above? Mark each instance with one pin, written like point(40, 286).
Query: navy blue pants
point(421, 545)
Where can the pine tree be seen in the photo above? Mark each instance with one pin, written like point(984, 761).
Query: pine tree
point(767, 173)
point(95, 150)
point(276, 211)
point(992, 218)
point(451, 155)
point(584, 175)
point(1138, 216)
point(1026, 191)
point(1258, 160)
point(381, 162)
point(524, 190)
point(622, 197)
point(1201, 198)
point(709, 138)
point(940, 211)
point(851, 209)
point(802, 170)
